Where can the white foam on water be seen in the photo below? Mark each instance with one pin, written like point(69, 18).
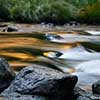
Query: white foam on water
point(80, 56)
point(88, 72)
point(86, 64)
point(91, 67)
point(79, 53)
point(93, 32)
point(85, 78)
point(76, 53)
point(71, 38)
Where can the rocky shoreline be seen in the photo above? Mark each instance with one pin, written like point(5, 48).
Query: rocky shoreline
point(37, 82)
point(50, 27)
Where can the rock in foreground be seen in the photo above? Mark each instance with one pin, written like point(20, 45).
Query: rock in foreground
point(42, 81)
point(84, 95)
point(96, 87)
point(24, 97)
point(6, 74)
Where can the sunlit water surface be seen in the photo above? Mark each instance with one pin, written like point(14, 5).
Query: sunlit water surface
point(80, 52)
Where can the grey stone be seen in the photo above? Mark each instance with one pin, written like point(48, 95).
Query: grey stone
point(23, 97)
point(6, 74)
point(43, 81)
point(96, 87)
point(84, 95)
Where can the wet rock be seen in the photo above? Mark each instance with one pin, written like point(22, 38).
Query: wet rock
point(43, 81)
point(96, 87)
point(52, 54)
point(10, 29)
point(6, 74)
point(72, 23)
point(84, 95)
point(50, 36)
point(47, 25)
point(50, 25)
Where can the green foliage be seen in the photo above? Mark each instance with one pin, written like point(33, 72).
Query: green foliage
point(63, 12)
point(57, 11)
point(91, 13)
point(4, 10)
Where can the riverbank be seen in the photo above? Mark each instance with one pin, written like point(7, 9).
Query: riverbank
point(50, 27)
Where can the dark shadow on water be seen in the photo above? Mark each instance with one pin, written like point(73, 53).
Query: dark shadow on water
point(92, 46)
point(17, 35)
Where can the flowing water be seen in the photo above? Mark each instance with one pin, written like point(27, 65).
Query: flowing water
point(74, 52)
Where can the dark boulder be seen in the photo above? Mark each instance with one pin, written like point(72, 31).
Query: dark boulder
point(96, 87)
point(43, 81)
point(6, 74)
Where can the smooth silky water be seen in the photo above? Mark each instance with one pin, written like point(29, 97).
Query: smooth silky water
point(80, 52)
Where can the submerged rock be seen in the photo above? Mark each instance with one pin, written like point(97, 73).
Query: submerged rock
point(6, 74)
point(96, 87)
point(43, 81)
point(50, 36)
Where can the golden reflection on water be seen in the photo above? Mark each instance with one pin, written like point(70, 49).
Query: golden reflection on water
point(17, 55)
point(20, 49)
